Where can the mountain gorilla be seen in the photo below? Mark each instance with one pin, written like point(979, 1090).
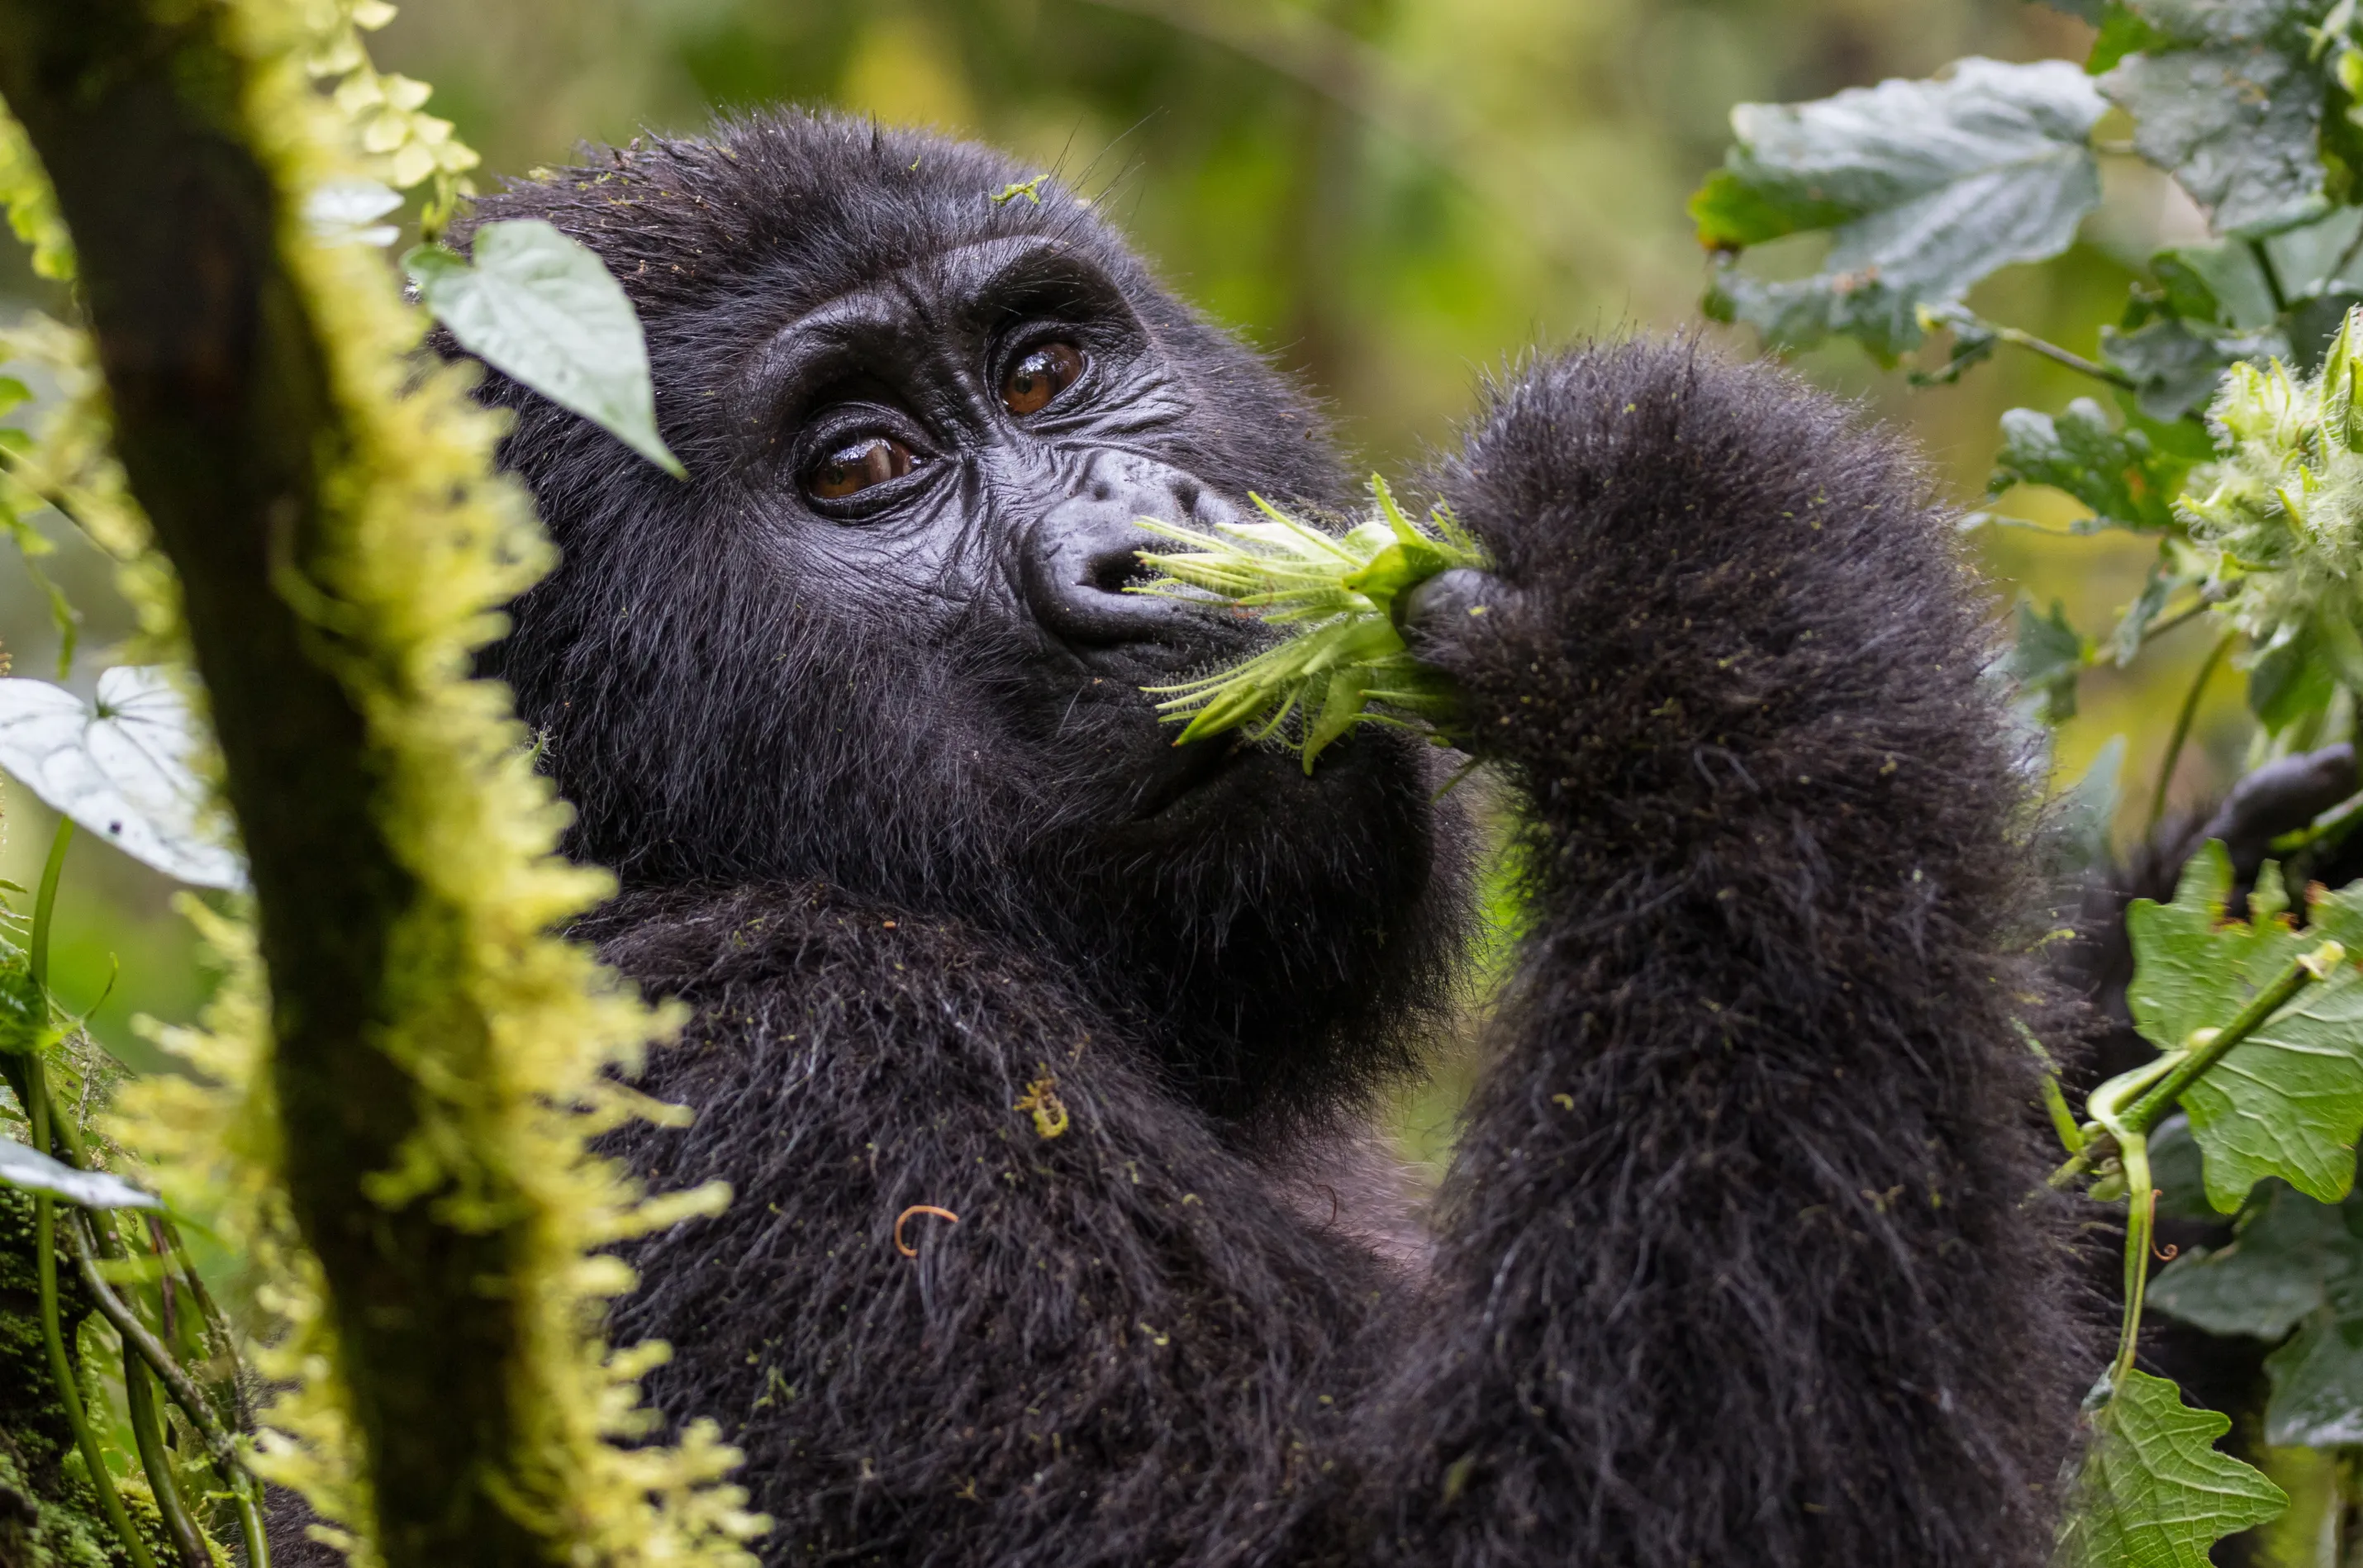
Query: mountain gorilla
point(1735, 1261)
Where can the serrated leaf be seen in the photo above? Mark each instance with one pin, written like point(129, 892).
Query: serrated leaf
point(121, 769)
point(2081, 451)
point(2317, 1377)
point(2279, 1268)
point(1925, 186)
point(2288, 1100)
point(32, 1171)
point(2154, 1493)
point(2227, 97)
point(543, 308)
point(2048, 657)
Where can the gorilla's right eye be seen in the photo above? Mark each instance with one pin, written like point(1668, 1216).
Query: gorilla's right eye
point(855, 467)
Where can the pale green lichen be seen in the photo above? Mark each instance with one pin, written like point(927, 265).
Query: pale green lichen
point(509, 1033)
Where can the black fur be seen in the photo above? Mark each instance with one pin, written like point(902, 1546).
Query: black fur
point(1736, 1261)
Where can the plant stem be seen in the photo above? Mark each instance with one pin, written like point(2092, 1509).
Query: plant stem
point(2301, 973)
point(2133, 1148)
point(61, 1372)
point(184, 1389)
point(139, 1398)
point(44, 902)
point(2057, 355)
point(2182, 731)
point(2189, 613)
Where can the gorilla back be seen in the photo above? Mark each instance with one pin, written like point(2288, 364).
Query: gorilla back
point(1731, 1265)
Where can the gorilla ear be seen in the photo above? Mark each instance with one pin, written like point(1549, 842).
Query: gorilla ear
point(543, 310)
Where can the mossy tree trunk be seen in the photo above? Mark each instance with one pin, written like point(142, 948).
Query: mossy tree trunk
point(226, 427)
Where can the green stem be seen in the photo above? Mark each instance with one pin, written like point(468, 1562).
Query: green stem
point(2052, 351)
point(2191, 612)
point(2182, 731)
point(44, 902)
point(139, 1398)
point(62, 1370)
point(177, 1382)
point(2170, 1074)
point(2318, 965)
point(2272, 278)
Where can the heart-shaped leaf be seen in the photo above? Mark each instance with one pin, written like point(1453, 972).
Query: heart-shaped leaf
point(120, 768)
point(543, 308)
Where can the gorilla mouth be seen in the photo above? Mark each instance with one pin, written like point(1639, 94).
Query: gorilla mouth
point(1199, 763)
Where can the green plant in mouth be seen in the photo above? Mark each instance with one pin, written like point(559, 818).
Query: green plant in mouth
point(1339, 597)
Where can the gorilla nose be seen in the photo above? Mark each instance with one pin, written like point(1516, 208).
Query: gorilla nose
point(1084, 558)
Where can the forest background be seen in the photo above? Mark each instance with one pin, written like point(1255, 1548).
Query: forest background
point(1388, 196)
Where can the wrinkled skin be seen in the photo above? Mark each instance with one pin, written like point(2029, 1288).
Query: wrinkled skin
point(1736, 1261)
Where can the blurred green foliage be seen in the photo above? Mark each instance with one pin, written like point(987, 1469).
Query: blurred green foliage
point(1389, 196)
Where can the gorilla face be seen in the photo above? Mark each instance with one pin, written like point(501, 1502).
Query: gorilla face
point(883, 640)
point(957, 454)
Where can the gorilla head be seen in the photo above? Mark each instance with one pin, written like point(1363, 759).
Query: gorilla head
point(881, 638)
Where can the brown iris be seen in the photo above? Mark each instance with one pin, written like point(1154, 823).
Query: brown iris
point(1042, 375)
point(856, 465)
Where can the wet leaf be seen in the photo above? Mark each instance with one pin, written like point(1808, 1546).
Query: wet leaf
point(2115, 472)
point(2227, 97)
point(1925, 187)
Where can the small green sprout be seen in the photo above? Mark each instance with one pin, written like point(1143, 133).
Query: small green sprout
point(1029, 189)
point(1338, 596)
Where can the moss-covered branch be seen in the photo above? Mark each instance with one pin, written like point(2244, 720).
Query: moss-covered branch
point(227, 428)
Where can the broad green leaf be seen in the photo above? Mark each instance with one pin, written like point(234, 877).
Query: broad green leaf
point(2048, 659)
point(2086, 808)
point(541, 307)
point(2175, 367)
point(2219, 281)
point(2318, 259)
point(2078, 450)
point(2291, 681)
point(1925, 186)
point(2288, 1100)
point(2154, 1492)
point(2317, 1400)
point(2276, 1271)
point(2227, 95)
point(121, 769)
point(34, 1172)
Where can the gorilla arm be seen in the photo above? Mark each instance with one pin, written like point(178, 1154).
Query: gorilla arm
point(1738, 1261)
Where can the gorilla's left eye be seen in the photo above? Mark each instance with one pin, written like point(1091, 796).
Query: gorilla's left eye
point(1042, 375)
point(856, 467)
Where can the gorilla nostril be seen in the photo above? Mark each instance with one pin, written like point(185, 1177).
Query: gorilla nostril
point(1114, 570)
point(1102, 491)
point(1185, 496)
